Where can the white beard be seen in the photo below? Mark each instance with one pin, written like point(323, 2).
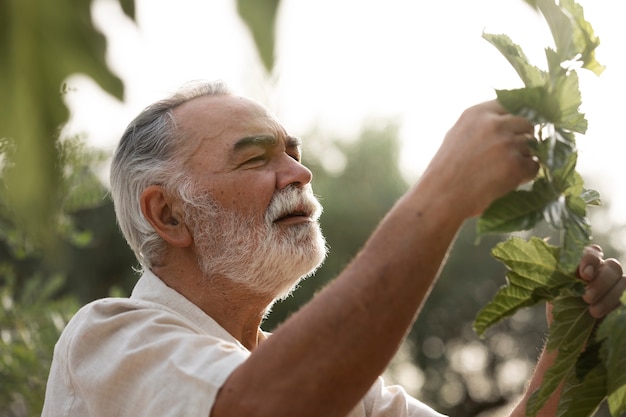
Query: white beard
point(265, 257)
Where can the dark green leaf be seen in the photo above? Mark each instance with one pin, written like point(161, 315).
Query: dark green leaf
point(554, 150)
point(532, 276)
point(576, 235)
point(569, 333)
point(581, 397)
point(613, 331)
point(518, 210)
point(128, 6)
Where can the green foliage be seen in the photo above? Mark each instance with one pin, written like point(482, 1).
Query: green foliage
point(538, 271)
point(41, 44)
point(30, 324)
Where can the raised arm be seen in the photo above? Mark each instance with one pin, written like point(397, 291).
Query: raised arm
point(323, 359)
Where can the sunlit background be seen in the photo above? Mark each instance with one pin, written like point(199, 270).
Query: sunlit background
point(340, 64)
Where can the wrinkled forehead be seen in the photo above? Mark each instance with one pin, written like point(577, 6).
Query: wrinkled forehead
point(213, 128)
point(219, 116)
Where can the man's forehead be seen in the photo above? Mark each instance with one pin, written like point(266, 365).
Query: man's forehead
point(212, 115)
point(229, 124)
point(220, 107)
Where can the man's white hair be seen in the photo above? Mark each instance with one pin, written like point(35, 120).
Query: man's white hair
point(147, 155)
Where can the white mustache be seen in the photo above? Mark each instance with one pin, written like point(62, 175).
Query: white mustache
point(292, 200)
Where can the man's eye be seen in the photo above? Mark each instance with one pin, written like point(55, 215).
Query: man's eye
point(258, 158)
point(296, 156)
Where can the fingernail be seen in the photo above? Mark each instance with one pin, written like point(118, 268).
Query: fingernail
point(589, 271)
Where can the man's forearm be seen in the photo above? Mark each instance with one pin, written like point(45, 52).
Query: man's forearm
point(346, 336)
point(546, 359)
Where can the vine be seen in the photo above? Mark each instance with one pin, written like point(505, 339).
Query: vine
point(591, 358)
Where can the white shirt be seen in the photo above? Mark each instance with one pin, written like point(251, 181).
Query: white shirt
point(156, 353)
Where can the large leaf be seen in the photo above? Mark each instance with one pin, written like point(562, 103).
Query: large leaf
point(576, 233)
point(534, 103)
point(518, 210)
point(532, 276)
point(530, 74)
point(569, 333)
point(613, 331)
point(583, 37)
point(567, 93)
point(260, 17)
point(42, 43)
point(582, 398)
point(561, 27)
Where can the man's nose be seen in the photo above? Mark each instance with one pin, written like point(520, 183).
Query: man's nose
point(292, 172)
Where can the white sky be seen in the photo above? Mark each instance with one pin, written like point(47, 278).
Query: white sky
point(345, 63)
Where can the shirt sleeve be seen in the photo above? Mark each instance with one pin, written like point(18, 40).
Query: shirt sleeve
point(393, 401)
point(117, 359)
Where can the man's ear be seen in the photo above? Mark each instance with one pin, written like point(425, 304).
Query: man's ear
point(164, 213)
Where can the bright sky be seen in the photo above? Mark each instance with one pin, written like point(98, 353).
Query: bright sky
point(343, 64)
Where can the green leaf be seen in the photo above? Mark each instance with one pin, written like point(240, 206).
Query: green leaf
point(534, 103)
point(260, 17)
point(591, 197)
point(530, 75)
point(561, 28)
point(613, 331)
point(567, 93)
point(553, 151)
point(518, 210)
point(41, 44)
point(571, 182)
point(576, 235)
point(580, 398)
point(570, 330)
point(532, 276)
point(583, 37)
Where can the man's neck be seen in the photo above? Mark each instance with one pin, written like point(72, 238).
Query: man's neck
point(237, 309)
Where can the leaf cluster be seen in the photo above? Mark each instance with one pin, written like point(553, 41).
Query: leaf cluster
point(591, 363)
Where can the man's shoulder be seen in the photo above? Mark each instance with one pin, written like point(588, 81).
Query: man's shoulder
point(110, 314)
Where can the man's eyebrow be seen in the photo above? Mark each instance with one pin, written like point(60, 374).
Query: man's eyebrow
point(265, 141)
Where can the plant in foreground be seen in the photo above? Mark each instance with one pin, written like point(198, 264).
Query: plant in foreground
point(591, 361)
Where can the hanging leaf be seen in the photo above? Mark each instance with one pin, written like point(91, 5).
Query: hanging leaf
point(260, 17)
point(613, 331)
point(532, 276)
point(582, 398)
point(569, 333)
point(519, 210)
point(41, 44)
point(531, 75)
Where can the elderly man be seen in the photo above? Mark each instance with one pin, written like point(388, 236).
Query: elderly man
point(211, 195)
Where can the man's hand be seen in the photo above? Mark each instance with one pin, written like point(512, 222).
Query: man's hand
point(483, 156)
point(605, 281)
